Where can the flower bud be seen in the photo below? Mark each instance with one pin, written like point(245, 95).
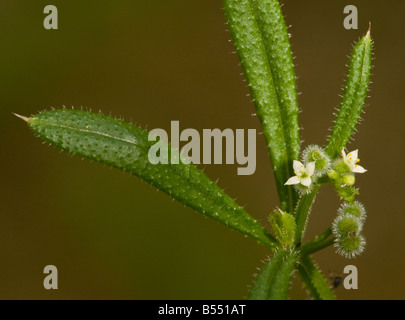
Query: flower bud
point(333, 175)
point(347, 193)
point(348, 179)
point(283, 225)
point(341, 167)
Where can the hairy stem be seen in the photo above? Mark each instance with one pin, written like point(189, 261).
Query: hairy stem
point(301, 213)
point(320, 242)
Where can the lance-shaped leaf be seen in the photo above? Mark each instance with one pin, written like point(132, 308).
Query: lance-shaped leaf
point(261, 39)
point(314, 281)
point(354, 96)
point(273, 281)
point(276, 41)
point(126, 147)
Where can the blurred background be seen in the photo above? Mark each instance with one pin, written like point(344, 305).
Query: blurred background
point(112, 236)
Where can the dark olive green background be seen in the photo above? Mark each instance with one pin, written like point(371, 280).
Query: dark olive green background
point(112, 235)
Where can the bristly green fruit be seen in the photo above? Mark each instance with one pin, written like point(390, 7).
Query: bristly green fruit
point(346, 226)
point(314, 153)
point(355, 209)
point(351, 246)
point(125, 146)
point(349, 242)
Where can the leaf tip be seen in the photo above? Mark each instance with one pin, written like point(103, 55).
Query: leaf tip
point(368, 34)
point(26, 119)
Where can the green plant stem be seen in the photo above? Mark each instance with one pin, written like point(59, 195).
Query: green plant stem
point(320, 242)
point(301, 213)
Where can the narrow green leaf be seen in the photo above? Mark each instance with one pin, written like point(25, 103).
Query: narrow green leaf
point(354, 96)
point(272, 283)
point(276, 41)
point(258, 30)
point(261, 286)
point(125, 146)
point(281, 283)
point(306, 279)
point(314, 280)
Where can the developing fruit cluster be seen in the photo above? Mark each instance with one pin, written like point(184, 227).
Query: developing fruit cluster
point(316, 168)
point(347, 228)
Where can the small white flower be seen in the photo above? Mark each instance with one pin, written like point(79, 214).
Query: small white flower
point(351, 160)
point(303, 174)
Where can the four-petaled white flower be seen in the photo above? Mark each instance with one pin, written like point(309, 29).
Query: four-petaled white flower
point(303, 173)
point(351, 160)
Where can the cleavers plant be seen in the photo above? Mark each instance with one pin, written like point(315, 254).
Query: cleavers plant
point(260, 35)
